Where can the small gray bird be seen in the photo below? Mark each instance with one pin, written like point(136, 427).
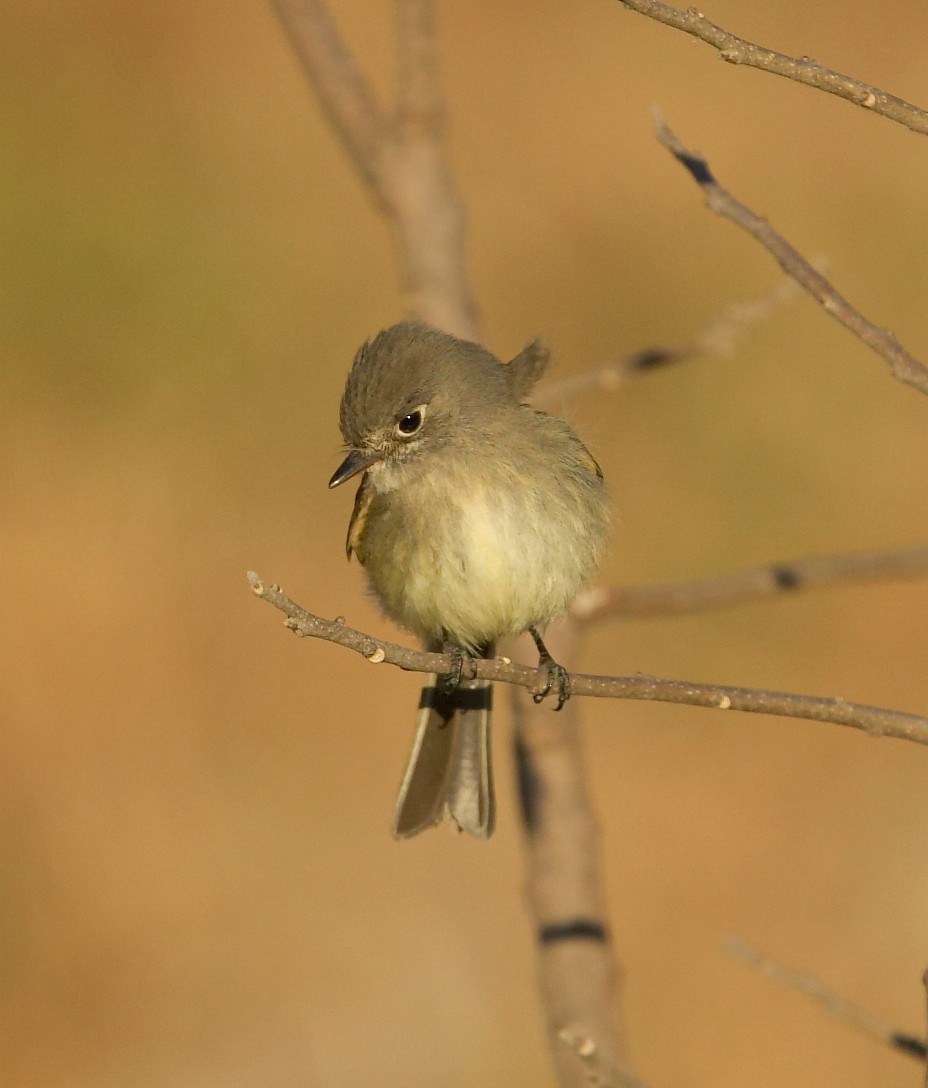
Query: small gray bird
point(477, 517)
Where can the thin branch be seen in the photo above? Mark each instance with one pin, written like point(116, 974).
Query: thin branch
point(737, 50)
point(423, 199)
point(861, 1020)
point(344, 95)
point(719, 337)
point(419, 97)
point(904, 366)
point(754, 584)
point(403, 157)
point(877, 721)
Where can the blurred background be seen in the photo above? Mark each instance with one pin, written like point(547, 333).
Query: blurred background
point(199, 885)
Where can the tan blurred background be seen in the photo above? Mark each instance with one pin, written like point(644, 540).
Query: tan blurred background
point(199, 886)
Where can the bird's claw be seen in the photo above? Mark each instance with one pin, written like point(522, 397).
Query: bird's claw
point(452, 679)
point(557, 678)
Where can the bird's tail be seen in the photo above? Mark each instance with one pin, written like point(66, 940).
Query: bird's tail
point(449, 772)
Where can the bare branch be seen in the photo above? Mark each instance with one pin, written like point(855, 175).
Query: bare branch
point(422, 196)
point(904, 366)
point(405, 163)
point(579, 977)
point(402, 158)
point(601, 1072)
point(346, 99)
point(419, 98)
point(861, 1020)
point(719, 337)
point(877, 721)
point(737, 50)
point(755, 583)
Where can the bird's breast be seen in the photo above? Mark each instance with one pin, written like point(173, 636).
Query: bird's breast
point(475, 555)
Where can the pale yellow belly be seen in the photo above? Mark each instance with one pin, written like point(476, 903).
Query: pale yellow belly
point(474, 567)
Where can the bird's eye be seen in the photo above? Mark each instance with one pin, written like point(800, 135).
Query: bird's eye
point(410, 423)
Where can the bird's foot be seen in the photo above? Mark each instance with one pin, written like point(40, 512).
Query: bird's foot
point(453, 679)
point(558, 678)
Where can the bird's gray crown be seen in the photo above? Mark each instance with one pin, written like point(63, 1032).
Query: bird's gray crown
point(411, 364)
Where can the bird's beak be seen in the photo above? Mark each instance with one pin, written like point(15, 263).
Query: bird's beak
point(356, 461)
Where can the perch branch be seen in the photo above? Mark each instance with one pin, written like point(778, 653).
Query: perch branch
point(877, 721)
point(754, 584)
point(805, 70)
point(904, 366)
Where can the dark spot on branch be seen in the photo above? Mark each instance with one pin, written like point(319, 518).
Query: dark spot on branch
point(528, 784)
point(697, 166)
point(909, 1044)
point(652, 357)
point(785, 577)
point(574, 929)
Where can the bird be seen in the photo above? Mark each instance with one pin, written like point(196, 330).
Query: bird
point(477, 517)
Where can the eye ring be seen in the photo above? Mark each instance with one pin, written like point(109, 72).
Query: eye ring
point(410, 423)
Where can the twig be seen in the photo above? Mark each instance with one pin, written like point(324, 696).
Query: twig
point(904, 366)
point(836, 1006)
point(737, 50)
point(877, 721)
point(719, 337)
point(754, 584)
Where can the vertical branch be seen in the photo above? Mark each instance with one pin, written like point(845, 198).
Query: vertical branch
point(578, 974)
point(344, 96)
point(418, 92)
point(427, 210)
point(403, 159)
